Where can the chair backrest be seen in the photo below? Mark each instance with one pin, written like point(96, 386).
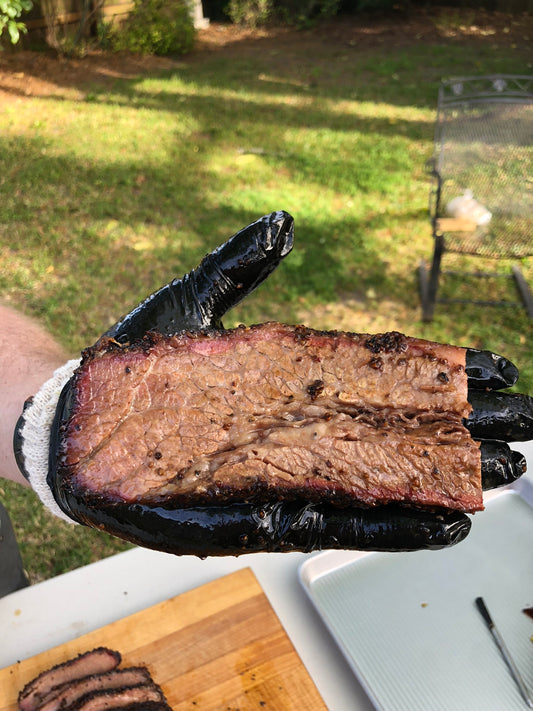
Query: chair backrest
point(484, 157)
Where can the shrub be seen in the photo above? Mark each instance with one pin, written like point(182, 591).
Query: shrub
point(10, 11)
point(156, 27)
point(296, 12)
point(251, 13)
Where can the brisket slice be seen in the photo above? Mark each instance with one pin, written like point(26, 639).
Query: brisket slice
point(270, 412)
point(86, 683)
point(118, 698)
point(96, 661)
point(72, 691)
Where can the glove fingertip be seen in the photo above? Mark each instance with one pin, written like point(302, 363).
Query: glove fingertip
point(285, 231)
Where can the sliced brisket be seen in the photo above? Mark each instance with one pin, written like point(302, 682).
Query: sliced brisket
point(96, 661)
point(72, 691)
point(271, 412)
point(118, 698)
point(87, 683)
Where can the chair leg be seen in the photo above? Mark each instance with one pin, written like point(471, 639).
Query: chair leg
point(524, 290)
point(427, 310)
point(429, 286)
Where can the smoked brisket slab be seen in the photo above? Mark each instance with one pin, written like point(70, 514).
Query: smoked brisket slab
point(267, 413)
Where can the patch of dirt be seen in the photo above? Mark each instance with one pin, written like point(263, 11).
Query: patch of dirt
point(394, 29)
point(27, 73)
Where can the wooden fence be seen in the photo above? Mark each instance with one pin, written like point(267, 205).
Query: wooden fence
point(68, 14)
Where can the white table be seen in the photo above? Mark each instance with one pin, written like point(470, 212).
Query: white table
point(62, 608)
point(49, 613)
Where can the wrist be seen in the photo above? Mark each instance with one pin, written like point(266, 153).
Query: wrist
point(32, 435)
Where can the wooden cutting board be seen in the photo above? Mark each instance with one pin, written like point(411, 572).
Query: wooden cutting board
point(220, 646)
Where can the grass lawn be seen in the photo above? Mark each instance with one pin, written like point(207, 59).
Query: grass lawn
point(115, 181)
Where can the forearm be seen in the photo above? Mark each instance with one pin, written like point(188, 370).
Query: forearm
point(28, 357)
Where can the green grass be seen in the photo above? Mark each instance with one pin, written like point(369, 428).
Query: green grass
point(111, 190)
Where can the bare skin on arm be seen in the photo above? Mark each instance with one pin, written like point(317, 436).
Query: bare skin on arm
point(28, 357)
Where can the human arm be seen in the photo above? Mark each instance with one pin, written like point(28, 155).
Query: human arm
point(28, 356)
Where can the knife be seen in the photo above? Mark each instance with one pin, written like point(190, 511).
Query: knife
point(504, 651)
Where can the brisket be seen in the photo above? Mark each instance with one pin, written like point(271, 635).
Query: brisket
point(96, 661)
point(89, 683)
point(118, 698)
point(71, 692)
point(271, 412)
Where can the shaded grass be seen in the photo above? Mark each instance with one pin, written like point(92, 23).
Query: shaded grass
point(47, 545)
point(108, 196)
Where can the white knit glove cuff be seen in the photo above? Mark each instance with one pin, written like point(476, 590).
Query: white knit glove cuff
point(35, 434)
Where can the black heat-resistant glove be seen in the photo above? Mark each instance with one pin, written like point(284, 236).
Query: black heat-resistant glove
point(198, 301)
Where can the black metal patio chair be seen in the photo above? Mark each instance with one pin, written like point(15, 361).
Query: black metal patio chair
point(481, 198)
